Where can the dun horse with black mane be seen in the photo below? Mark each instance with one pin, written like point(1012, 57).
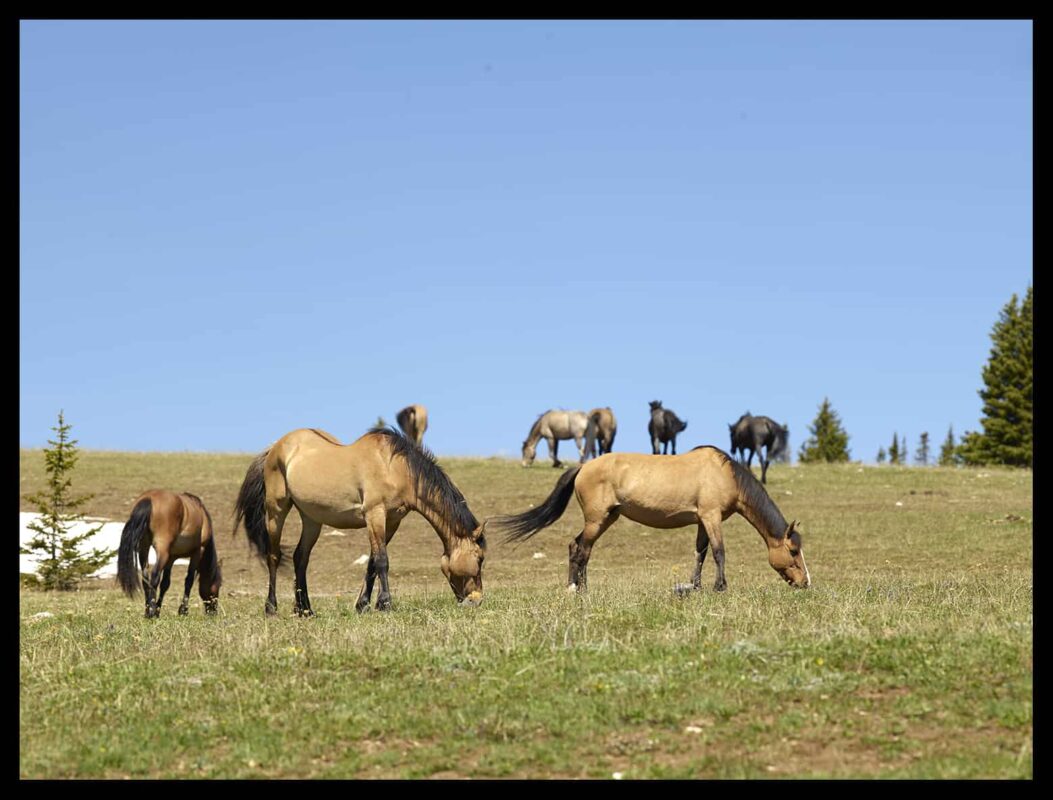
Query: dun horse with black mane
point(704, 486)
point(372, 483)
point(750, 434)
point(414, 421)
point(176, 526)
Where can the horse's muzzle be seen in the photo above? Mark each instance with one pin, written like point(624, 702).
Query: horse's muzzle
point(473, 600)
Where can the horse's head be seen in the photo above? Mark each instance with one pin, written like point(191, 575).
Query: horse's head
point(787, 558)
point(463, 567)
point(529, 451)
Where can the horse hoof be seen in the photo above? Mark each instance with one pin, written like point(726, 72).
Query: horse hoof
point(720, 587)
point(362, 608)
point(270, 611)
point(684, 589)
point(183, 611)
point(384, 604)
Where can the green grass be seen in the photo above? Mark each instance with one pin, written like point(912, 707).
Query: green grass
point(911, 656)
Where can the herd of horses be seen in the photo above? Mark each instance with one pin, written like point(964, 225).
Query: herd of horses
point(375, 481)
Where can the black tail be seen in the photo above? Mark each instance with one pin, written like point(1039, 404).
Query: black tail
point(128, 575)
point(249, 506)
point(525, 525)
point(781, 443)
point(209, 570)
point(590, 438)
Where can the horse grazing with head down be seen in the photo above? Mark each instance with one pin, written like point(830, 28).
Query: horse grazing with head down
point(552, 426)
point(599, 433)
point(413, 420)
point(703, 487)
point(176, 526)
point(663, 428)
point(750, 434)
point(372, 483)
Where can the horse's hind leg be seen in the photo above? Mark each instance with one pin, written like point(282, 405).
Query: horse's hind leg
point(153, 604)
point(580, 443)
point(166, 581)
point(276, 513)
point(311, 530)
point(581, 549)
point(764, 468)
point(191, 573)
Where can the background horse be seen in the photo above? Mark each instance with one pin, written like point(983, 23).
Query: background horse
point(372, 483)
point(599, 433)
point(703, 487)
point(176, 526)
point(752, 433)
point(552, 426)
point(663, 427)
point(414, 421)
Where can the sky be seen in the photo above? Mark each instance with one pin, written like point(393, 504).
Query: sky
point(233, 229)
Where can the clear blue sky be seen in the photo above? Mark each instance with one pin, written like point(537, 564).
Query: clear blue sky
point(232, 229)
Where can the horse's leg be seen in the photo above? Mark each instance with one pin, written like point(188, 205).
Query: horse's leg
point(191, 573)
point(153, 606)
point(710, 523)
point(763, 458)
point(376, 525)
point(581, 549)
point(580, 443)
point(276, 513)
point(366, 595)
point(311, 531)
point(553, 446)
point(166, 581)
point(674, 445)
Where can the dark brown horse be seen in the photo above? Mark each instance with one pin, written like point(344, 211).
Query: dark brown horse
point(663, 428)
point(372, 483)
point(750, 434)
point(176, 526)
point(703, 487)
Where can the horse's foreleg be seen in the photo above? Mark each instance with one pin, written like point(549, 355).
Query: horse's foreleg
point(191, 573)
point(674, 445)
point(764, 468)
point(710, 525)
point(376, 525)
point(311, 531)
point(553, 446)
point(581, 449)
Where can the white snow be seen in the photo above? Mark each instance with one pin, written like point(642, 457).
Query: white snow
point(109, 537)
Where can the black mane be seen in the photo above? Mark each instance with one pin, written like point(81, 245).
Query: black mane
point(431, 482)
point(754, 495)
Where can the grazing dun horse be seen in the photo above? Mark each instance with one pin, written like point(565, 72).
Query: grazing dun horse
point(372, 483)
point(414, 421)
point(599, 434)
point(750, 434)
point(702, 487)
point(176, 526)
point(663, 428)
point(552, 426)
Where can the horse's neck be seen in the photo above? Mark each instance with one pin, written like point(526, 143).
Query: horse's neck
point(766, 524)
point(445, 528)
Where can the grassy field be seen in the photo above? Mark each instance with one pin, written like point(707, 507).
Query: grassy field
point(911, 656)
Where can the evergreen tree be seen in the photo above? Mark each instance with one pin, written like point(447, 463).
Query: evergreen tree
point(1007, 392)
point(881, 455)
point(903, 455)
point(60, 564)
point(921, 456)
point(948, 451)
point(893, 450)
point(828, 441)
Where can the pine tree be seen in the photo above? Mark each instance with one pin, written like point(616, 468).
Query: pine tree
point(893, 450)
point(881, 455)
point(1007, 393)
point(903, 455)
point(948, 451)
point(922, 454)
point(60, 564)
point(828, 441)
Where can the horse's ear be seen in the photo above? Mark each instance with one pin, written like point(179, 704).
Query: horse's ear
point(479, 532)
point(790, 528)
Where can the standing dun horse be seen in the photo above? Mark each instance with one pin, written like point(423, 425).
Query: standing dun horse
point(552, 426)
point(663, 428)
point(599, 433)
point(413, 420)
point(751, 434)
point(702, 487)
point(176, 526)
point(372, 483)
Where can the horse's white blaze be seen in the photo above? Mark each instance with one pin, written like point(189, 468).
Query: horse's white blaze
point(807, 575)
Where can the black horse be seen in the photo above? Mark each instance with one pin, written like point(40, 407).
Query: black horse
point(750, 434)
point(663, 428)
